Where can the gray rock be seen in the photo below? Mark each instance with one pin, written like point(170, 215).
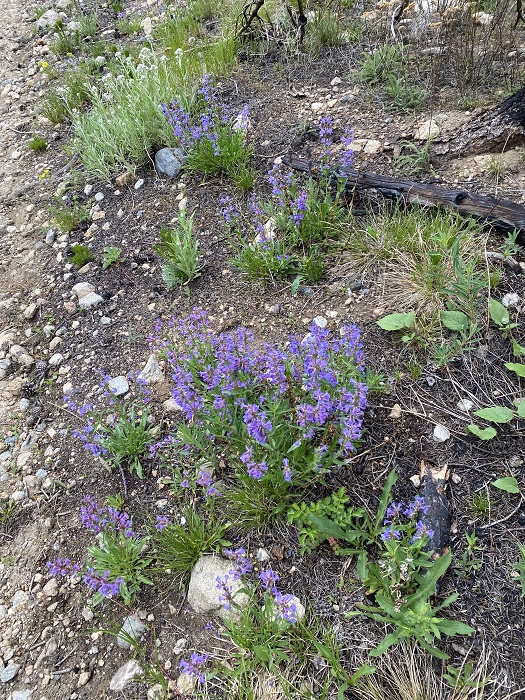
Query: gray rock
point(441, 434)
point(51, 588)
point(320, 321)
point(19, 599)
point(30, 311)
point(118, 386)
point(50, 237)
point(124, 675)
point(171, 406)
point(99, 196)
point(20, 695)
point(465, 405)
point(83, 288)
point(47, 20)
point(138, 184)
point(20, 355)
point(203, 594)
point(88, 301)
point(6, 367)
point(9, 672)
point(262, 555)
point(152, 373)
point(55, 359)
point(133, 627)
point(169, 161)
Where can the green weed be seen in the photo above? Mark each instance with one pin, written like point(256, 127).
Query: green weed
point(80, 255)
point(37, 144)
point(179, 247)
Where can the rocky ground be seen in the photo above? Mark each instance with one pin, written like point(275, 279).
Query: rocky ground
point(60, 326)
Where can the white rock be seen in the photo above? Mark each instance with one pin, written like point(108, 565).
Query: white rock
point(396, 411)
point(55, 359)
point(203, 594)
point(88, 301)
point(124, 675)
point(416, 480)
point(510, 300)
point(152, 373)
point(83, 288)
point(47, 20)
point(132, 627)
point(186, 684)
point(262, 555)
point(465, 405)
point(441, 434)
point(156, 692)
point(426, 130)
point(335, 81)
point(147, 26)
point(316, 106)
point(51, 588)
point(30, 311)
point(320, 321)
point(9, 672)
point(171, 406)
point(83, 678)
point(138, 184)
point(179, 646)
point(118, 386)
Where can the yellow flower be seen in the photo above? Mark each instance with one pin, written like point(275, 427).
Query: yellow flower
point(44, 174)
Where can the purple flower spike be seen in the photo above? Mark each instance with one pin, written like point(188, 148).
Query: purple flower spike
point(161, 521)
point(269, 578)
point(286, 608)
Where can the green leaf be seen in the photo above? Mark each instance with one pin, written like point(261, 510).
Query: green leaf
point(498, 313)
point(387, 642)
point(331, 529)
point(508, 484)
point(396, 322)
point(516, 367)
point(485, 434)
point(520, 409)
point(455, 320)
point(517, 349)
point(451, 627)
point(496, 414)
point(295, 284)
point(385, 499)
point(362, 566)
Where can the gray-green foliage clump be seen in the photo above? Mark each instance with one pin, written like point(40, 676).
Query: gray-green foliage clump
point(180, 250)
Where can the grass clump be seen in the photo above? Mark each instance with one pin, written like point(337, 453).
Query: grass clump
point(37, 144)
point(71, 217)
point(180, 249)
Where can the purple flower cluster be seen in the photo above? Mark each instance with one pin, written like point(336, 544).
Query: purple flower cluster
point(326, 137)
point(100, 518)
point(161, 521)
point(195, 667)
point(284, 603)
point(306, 401)
point(100, 583)
point(213, 117)
point(242, 563)
point(394, 518)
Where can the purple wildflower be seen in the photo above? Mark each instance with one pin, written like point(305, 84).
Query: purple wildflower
point(242, 563)
point(161, 521)
point(390, 534)
point(287, 470)
point(299, 207)
point(63, 567)
point(269, 578)
point(225, 588)
point(195, 666)
point(286, 609)
point(417, 505)
point(421, 531)
point(393, 511)
point(101, 583)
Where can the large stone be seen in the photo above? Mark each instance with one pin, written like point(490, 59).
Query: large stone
point(88, 301)
point(427, 130)
point(169, 161)
point(152, 373)
point(9, 672)
point(20, 355)
point(118, 386)
point(133, 628)
point(203, 594)
point(124, 675)
point(83, 288)
point(47, 20)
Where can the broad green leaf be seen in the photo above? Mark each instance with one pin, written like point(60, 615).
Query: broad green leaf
point(496, 414)
point(517, 349)
point(387, 642)
point(428, 583)
point(508, 484)
point(396, 322)
point(516, 367)
point(485, 434)
point(364, 670)
point(295, 284)
point(498, 313)
point(362, 566)
point(451, 627)
point(455, 320)
point(262, 653)
point(520, 409)
point(331, 529)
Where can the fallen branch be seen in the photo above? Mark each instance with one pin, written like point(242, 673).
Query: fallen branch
point(502, 214)
point(438, 517)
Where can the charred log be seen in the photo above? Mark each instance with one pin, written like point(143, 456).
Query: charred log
point(502, 214)
point(437, 519)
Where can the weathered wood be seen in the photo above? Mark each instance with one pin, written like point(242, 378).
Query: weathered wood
point(497, 130)
point(502, 214)
point(438, 517)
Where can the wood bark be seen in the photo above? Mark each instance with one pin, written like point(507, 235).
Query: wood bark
point(497, 130)
point(438, 517)
point(502, 214)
